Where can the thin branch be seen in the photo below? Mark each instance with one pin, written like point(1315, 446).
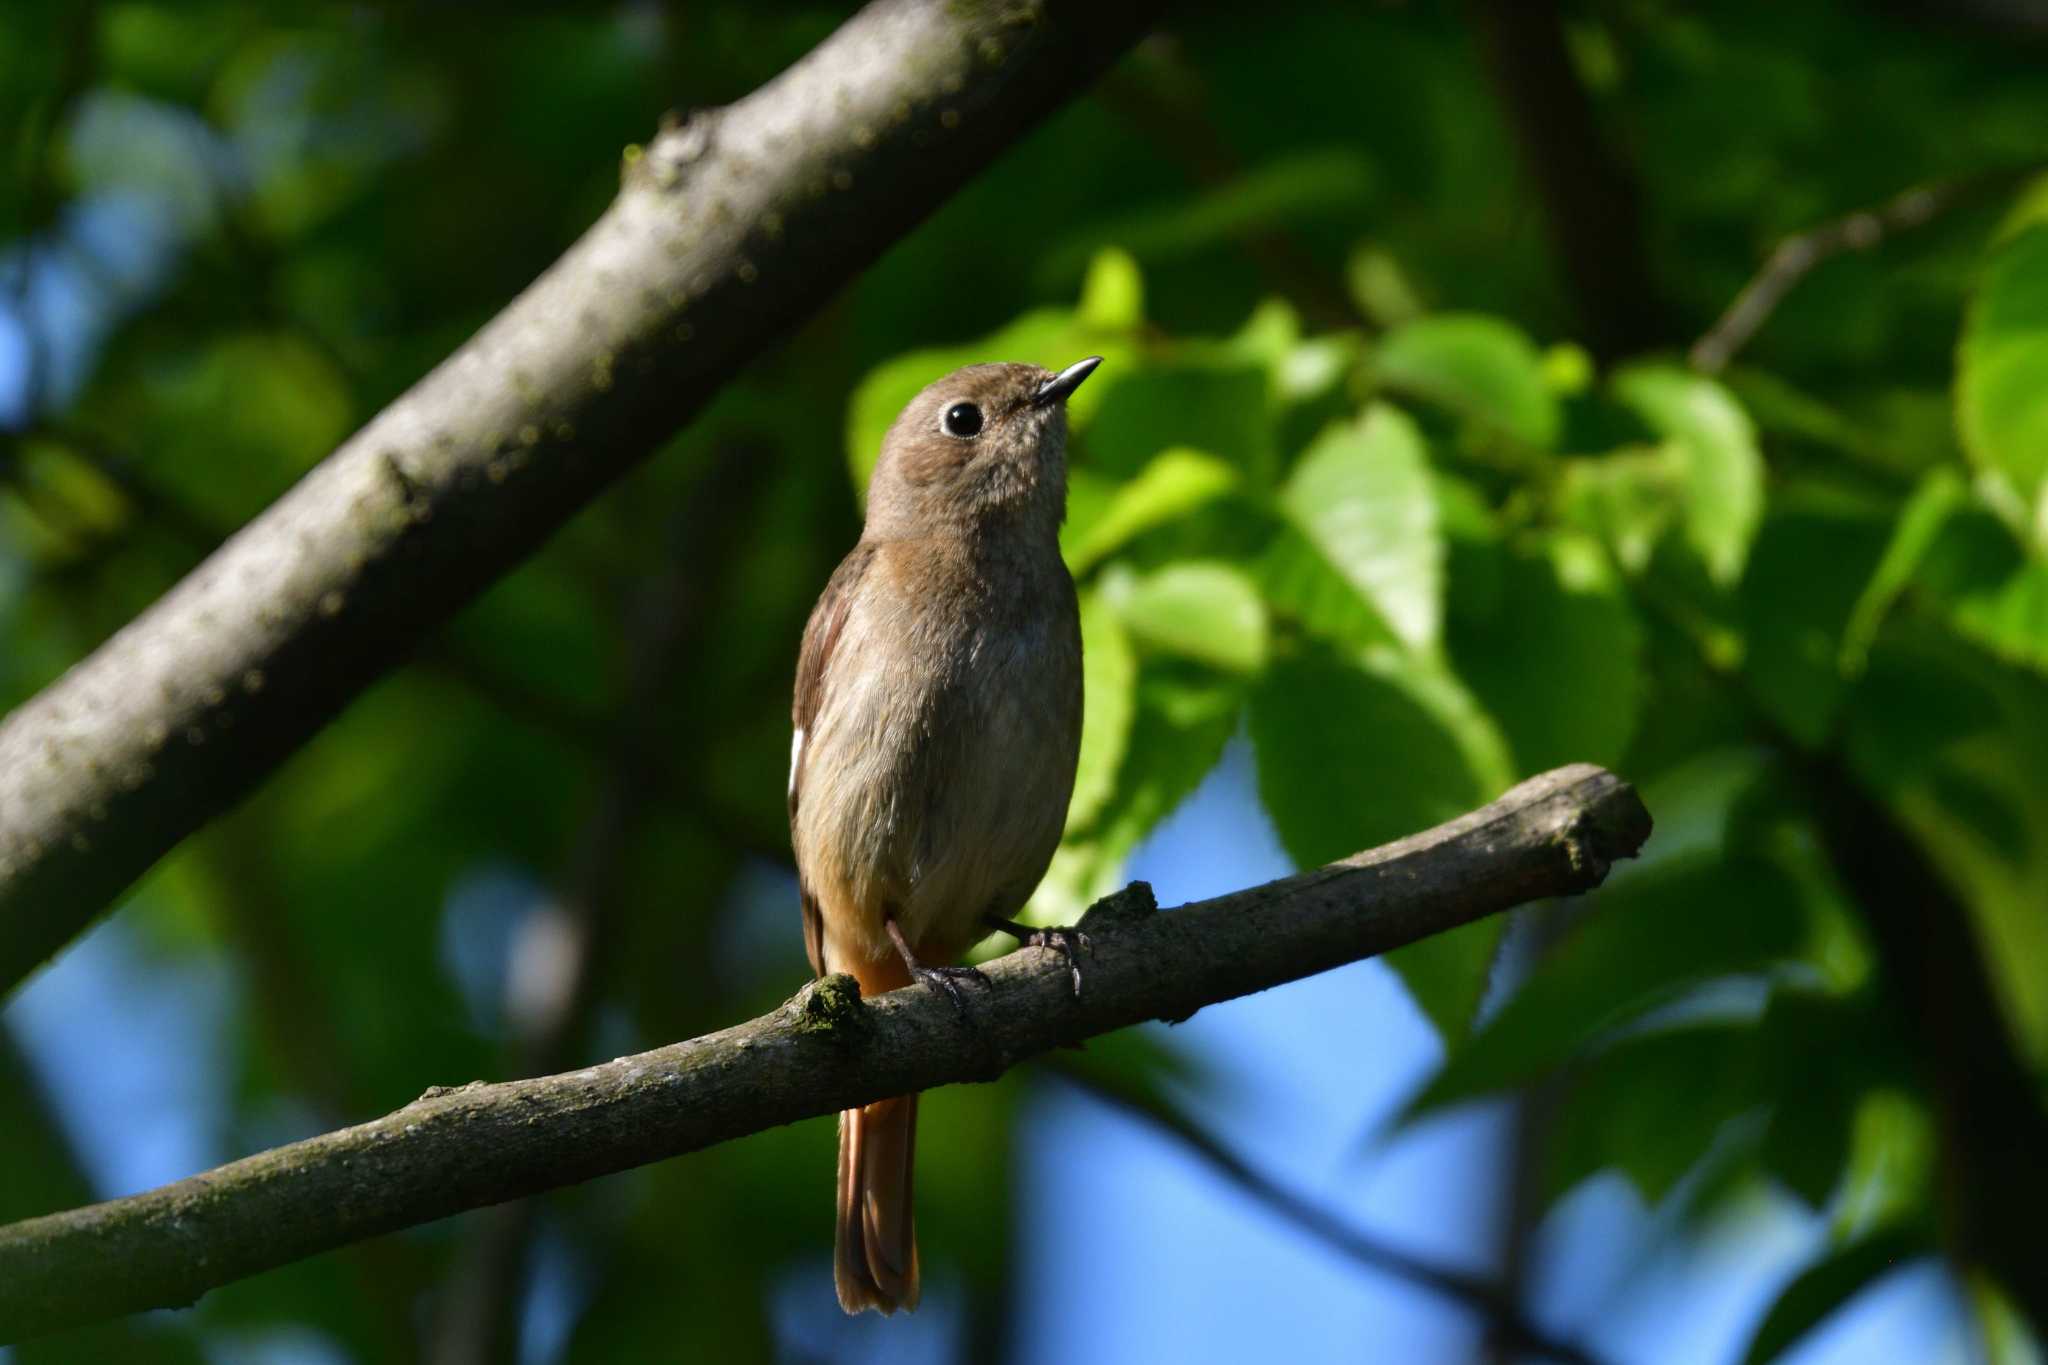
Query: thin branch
point(1506, 1323)
point(729, 228)
point(479, 1144)
point(1864, 230)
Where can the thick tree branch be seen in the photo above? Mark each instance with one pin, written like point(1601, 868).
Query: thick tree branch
point(479, 1144)
point(729, 228)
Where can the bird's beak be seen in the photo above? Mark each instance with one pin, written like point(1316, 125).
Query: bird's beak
point(1056, 389)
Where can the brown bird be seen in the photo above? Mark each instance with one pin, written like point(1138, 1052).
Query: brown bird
point(938, 721)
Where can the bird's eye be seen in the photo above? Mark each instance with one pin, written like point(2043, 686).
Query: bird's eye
point(962, 420)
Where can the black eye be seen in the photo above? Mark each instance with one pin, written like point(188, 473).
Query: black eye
point(962, 420)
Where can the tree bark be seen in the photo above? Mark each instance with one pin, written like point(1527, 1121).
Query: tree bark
point(728, 228)
point(462, 1148)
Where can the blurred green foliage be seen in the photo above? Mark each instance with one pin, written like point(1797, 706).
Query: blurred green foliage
point(1345, 485)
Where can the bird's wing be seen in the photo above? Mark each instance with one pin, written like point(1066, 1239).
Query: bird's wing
point(814, 660)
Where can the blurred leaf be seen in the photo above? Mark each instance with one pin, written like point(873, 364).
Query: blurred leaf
point(1112, 294)
point(1808, 571)
point(1203, 610)
point(1348, 760)
point(1716, 448)
point(1920, 522)
point(1830, 1284)
point(1477, 366)
point(1300, 583)
point(1381, 288)
point(1651, 1106)
point(1362, 495)
point(1176, 482)
point(2001, 403)
point(1555, 656)
point(1176, 738)
point(1628, 499)
point(1213, 401)
point(1891, 1162)
point(1653, 933)
point(1110, 674)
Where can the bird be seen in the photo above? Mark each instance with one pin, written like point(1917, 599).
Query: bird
point(937, 726)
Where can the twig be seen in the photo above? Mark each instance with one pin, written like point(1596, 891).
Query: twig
point(1796, 257)
point(823, 1052)
point(729, 228)
point(1506, 1322)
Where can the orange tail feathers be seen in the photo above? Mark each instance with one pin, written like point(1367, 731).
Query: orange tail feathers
point(874, 1260)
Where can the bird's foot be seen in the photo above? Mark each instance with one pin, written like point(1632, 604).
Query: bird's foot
point(947, 981)
point(1064, 940)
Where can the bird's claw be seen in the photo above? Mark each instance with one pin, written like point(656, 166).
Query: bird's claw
point(946, 981)
point(1063, 941)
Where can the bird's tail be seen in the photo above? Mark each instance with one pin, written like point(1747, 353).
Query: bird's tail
point(875, 1259)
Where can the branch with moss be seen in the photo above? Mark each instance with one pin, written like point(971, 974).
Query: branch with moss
point(729, 228)
point(826, 1050)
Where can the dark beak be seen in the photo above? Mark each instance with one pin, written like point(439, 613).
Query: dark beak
point(1056, 389)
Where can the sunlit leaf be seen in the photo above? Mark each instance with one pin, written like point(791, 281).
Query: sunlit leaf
point(1176, 482)
point(1362, 495)
point(1202, 610)
point(1716, 447)
point(2001, 402)
point(1110, 673)
point(1478, 366)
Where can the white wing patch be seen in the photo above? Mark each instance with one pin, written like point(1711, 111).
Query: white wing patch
point(796, 758)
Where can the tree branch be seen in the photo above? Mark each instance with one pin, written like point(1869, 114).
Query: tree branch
point(729, 228)
point(1798, 256)
point(456, 1149)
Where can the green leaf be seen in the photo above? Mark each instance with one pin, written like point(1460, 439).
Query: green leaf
point(1348, 760)
point(1651, 1106)
point(1175, 483)
point(1478, 366)
point(1809, 568)
point(1921, 522)
point(1362, 495)
point(1628, 499)
point(1652, 933)
point(1176, 738)
point(1830, 1284)
point(1110, 676)
point(1204, 610)
point(1113, 293)
point(1555, 655)
point(1303, 585)
point(1715, 445)
point(2001, 396)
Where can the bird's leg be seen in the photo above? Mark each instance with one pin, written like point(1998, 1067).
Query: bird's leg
point(1063, 941)
point(945, 980)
